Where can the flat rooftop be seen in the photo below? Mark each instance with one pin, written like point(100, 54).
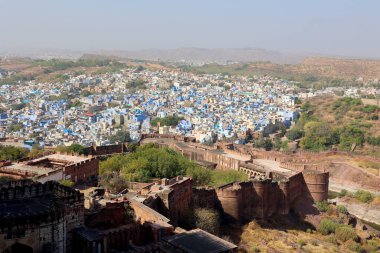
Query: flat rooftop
point(61, 157)
point(199, 241)
point(243, 158)
point(29, 168)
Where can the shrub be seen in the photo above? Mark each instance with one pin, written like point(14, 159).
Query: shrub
point(327, 227)
point(354, 246)
point(373, 245)
point(343, 193)
point(207, 219)
point(255, 249)
point(301, 243)
point(345, 233)
point(322, 206)
point(363, 196)
point(331, 239)
point(341, 209)
point(314, 243)
point(330, 210)
point(219, 177)
point(67, 182)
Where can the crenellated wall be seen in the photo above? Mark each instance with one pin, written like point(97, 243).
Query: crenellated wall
point(267, 192)
point(243, 201)
point(39, 216)
point(82, 171)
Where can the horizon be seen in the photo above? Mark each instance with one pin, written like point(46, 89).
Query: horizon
point(338, 29)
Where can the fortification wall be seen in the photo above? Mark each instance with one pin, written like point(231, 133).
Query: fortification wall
point(145, 214)
point(50, 228)
point(106, 150)
point(29, 189)
point(268, 193)
point(206, 198)
point(230, 197)
point(295, 186)
point(82, 171)
point(316, 184)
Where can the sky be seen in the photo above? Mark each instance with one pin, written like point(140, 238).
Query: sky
point(330, 27)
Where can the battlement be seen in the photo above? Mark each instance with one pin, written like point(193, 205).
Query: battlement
point(23, 189)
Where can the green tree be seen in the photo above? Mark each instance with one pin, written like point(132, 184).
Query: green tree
point(15, 128)
point(13, 153)
point(120, 137)
point(318, 136)
point(200, 176)
point(167, 121)
point(265, 143)
point(208, 220)
point(36, 150)
point(294, 134)
point(351, 135)
point(73, 148)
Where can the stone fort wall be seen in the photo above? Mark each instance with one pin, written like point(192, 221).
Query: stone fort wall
point(40, 227)
point(267, 193)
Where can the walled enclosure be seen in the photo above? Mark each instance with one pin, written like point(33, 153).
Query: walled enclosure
point(265, 194)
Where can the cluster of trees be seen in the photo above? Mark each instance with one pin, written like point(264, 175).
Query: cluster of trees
point(319, 135)
point(19, 106)
point(372, 140)
point(269, 144)
point(14, 128)
point(13, 153)
point(148, 161)
point(17, 78)
point(121, 136)
point(136, 84)
point(318, 83)
point(167, 121)
point(58, 65)
point(73, 148)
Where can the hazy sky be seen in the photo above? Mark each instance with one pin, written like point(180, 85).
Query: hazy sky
point(336, 27)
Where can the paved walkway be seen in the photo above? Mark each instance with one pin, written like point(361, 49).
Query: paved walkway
point(271, 165)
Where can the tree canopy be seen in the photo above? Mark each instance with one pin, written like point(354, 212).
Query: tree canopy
point(120, 137)
point(167, 121)
point(148, 162)
point(73, 148)
point(13, 153)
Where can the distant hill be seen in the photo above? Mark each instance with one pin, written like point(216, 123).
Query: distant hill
point(341, 68)
point(202, 55)
point(311, 68)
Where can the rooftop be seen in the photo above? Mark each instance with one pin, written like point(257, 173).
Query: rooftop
point(199, 241)
point(61, 157)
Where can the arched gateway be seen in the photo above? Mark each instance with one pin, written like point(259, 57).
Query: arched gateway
point(18, 248)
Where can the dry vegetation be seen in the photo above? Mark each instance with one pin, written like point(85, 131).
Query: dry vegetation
point(338, 114)
point(311, 68)
point(288, 235)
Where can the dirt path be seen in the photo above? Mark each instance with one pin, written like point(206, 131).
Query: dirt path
point(363, 211)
